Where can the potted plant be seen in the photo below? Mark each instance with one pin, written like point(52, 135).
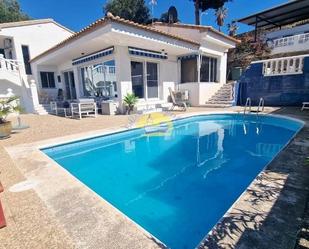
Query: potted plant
point(7, 106)
point(130, 100)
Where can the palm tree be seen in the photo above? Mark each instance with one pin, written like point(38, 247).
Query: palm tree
point(232, 28)
point(221, 14)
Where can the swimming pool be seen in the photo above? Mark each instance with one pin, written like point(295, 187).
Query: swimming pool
point(177, 186)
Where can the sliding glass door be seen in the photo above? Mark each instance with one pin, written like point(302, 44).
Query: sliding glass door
point(137, 76)
point(152, 80)
point(144, 77)
point(69, 82)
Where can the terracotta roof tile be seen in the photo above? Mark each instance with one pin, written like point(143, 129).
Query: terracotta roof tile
point(199, 27)
point(103, 21)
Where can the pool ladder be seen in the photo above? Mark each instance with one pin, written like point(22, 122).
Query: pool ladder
point(261, 105)
point(249, 104)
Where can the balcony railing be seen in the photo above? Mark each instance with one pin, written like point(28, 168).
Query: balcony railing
point(291, 40)
point(283, 66)
point(9, 65)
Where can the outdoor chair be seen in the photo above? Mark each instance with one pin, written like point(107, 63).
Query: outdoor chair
point(60, 107)
point(177, 103)
point(305, 106)
point(84, 107)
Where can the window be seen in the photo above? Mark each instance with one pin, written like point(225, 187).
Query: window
point(99, 80)
point(208, 69)
point(188, 70)
point(145, 87)
point(26, 56)
point(47, 79)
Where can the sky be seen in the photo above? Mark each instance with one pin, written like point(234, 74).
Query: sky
point(76, 14)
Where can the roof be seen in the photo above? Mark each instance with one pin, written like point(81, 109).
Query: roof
point(32, 22)
point(199, 27)
point(109, 18)
point(280, 15)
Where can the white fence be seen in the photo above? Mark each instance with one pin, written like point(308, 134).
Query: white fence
point(291, 40)
point(283, 66)
point(8, 65)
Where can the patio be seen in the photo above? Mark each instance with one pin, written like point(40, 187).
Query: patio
point(31, 224)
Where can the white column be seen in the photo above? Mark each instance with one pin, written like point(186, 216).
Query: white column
point(123, 73)
point(34, 93)
point(221, 71)
point(198, 62)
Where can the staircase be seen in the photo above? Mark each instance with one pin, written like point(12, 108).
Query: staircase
point(223, 97)
point(42, 109)
point(11, 74)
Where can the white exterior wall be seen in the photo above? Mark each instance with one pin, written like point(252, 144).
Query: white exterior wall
point(199, 93)
point(38, 37)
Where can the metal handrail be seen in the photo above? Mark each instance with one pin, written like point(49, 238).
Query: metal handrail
point(261, 104)
point(248, 104)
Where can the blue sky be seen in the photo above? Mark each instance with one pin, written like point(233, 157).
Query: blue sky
point(76, 14)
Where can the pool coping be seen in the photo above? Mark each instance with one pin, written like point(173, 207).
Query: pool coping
point(41, 168)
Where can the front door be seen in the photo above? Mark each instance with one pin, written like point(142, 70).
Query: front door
point(69, 81)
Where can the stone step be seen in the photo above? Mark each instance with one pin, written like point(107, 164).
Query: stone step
point(227, 102)
point(41, 110)
point(222, 98)
point(217, 105)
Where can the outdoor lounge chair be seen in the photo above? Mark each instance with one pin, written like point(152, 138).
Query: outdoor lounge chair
point(84, 107)
point(305, 106)
point(180, 104)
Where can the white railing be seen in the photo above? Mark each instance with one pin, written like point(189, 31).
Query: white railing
point(291, 40)
point(283, 66)
point(7, 95)
point(9, 65)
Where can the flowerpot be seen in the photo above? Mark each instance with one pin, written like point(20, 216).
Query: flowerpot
point(5, 129)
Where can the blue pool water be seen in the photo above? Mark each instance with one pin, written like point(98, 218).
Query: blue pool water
point(177, 186)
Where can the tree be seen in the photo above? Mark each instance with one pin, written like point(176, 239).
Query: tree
point(203, 5)
point(10, 11)
point(232, 28)
point(221, 14)
point(134, 10)
point(247, 50)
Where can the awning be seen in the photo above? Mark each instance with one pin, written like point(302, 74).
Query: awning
point(147, 53)
point(279, 16)
point(93, 56)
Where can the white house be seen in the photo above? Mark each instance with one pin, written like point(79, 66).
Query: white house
point(113, 57)
point(19, 43)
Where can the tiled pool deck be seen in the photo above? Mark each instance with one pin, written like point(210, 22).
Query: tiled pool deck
point(60, 212)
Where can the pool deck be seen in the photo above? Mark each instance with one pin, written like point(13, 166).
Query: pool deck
point(63, 213)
